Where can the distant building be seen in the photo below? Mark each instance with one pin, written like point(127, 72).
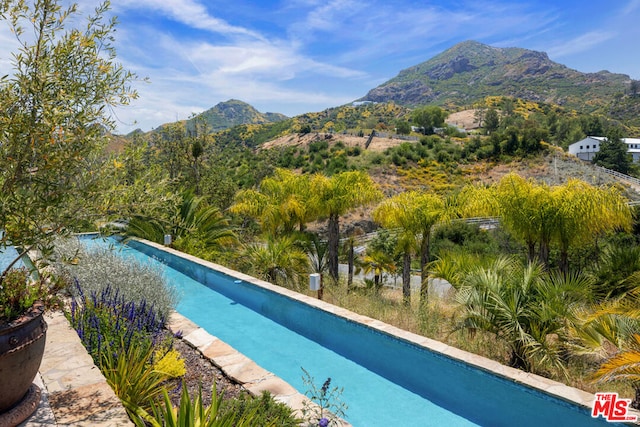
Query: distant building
point(586, 149)
point(359, 103)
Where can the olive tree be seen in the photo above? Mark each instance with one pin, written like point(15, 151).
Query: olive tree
point(54, 104)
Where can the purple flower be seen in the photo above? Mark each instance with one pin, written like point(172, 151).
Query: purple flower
point(323, 422)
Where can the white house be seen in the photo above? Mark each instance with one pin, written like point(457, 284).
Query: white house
point(587, 148)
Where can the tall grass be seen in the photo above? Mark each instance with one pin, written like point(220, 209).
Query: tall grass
point(436, 320)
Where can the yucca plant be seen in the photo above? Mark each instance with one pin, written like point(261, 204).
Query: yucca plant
point(193, 413)
point(133, 378)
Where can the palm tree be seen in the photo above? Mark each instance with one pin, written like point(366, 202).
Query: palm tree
point(348, 247)
point(618, 271)
point(333, 197)
point(195, 226)
point(523, 306)
point(281, 204)
point(278, 260)
point(567, 215)
point(586, 212)
point(624, 366)
point(526, 210)
point(414, 213)
point(378, 263)
point(615, 323)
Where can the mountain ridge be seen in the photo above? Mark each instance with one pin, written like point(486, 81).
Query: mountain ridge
point(231, 113)
point(470, 71)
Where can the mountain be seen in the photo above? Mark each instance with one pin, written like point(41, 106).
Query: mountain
point(471, 71)
point(232, 113)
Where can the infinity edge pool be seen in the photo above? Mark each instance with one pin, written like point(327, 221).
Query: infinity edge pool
point(534, 382)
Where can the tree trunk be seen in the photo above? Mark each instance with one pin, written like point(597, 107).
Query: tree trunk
point(518, 358)
point(543, 253)
point(424, 260)
point(564, 261)
point(350, 267)
point(406, 279)
point(334, 241)
point(635, 403)
point(531, 251)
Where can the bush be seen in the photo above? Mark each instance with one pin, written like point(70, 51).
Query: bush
point(108, 323)
point(94, 270)
point(264, 411)
point(133, 378)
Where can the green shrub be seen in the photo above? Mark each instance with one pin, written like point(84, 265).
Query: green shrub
point(190, 413)
point(133, 378)
point(19, 291)
point(263, 410)
point(95, 269)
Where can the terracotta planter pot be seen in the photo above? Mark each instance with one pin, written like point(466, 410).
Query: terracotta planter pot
point(21, 350)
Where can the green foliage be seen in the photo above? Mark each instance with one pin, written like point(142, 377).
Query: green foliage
point(403, 127)
point(279, 260)
point(19, 292)
point(618, 271)
point(460, 235)
point(244, 411)
point(524, 306)
point(613, 154)
point(133, 378)
point(94, 270)
point(261, 411)
point(326, 402)
point(428, 118)
point(196, 228)
point(491, 121)
point(55, 105)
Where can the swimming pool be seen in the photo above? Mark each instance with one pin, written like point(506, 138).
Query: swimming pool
point(7, 255)
point(387, 380)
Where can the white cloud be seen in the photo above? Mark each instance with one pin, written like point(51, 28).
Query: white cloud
point(189, 12)
point(581, 43)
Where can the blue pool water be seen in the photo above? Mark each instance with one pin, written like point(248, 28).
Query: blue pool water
point(387, 381)
point(7, 255)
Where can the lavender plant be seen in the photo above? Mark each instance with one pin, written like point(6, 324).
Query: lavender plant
point(326, 408)
point(108, 322)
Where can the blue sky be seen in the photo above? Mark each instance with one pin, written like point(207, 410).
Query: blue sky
point(301, 56)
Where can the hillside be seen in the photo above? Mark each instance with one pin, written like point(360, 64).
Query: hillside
point(233, 113)
point(471, 71)
point(377, 144)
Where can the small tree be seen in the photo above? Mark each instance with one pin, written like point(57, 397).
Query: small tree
point(336, 196)
point(54, 115)
point(491, 121)
point(403, 127)
point(613, 154)
point(429, 118)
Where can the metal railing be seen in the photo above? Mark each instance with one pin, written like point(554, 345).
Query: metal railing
point(618, 175)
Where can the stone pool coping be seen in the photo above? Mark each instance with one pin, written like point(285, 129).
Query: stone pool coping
point(239, 367)
point(545, 385)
